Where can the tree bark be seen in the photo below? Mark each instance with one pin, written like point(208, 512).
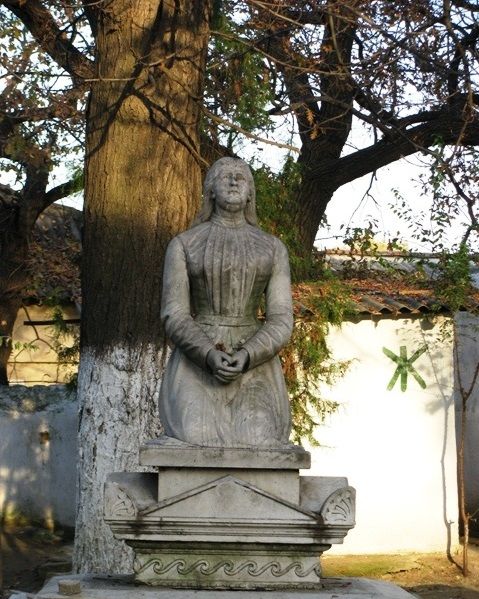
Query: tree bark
point(10, 303)
point(142, 186)
point(323, 127)
point(312, 200)
point(13, 252)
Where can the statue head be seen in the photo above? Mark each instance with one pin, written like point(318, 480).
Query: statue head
point(213, 173)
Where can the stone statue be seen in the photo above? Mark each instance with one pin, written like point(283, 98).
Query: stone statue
point(226, 507)
point(223, 385)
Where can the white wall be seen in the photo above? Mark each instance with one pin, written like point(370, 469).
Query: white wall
point(397, 449)
point(38, 449)
point(468, 346)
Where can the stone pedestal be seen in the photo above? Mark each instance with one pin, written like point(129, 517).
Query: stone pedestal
point(226, 518)
point(98, 587)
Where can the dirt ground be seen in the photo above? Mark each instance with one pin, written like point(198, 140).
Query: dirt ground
point(428, 575)
point(28, 555)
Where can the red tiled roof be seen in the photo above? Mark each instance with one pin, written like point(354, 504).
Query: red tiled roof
point(55, 266)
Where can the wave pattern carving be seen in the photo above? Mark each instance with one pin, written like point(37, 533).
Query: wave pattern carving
point(203, 566)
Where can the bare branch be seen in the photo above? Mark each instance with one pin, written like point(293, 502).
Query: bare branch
point(39, 21)
point(468, 40)
point(248, 134)
point(60, 191)
point(448, 126)
point(289, 15)
point(472, 6)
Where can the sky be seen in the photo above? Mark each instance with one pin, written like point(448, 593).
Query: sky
point(360, 202)
point(366, 200)
point(369, 199)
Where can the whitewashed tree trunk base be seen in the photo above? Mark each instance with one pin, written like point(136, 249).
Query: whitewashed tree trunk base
point(118, 393)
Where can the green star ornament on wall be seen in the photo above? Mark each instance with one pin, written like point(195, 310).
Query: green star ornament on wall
point(404, 366)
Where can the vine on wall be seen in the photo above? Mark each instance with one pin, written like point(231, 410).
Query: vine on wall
point(320, 300)
point(308, 365)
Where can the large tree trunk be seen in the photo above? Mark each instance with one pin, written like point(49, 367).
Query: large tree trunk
point(312, 201)
point(13, 252)
point(323, 127)
point(9, 306)
point(143, 186)
point(316, 189)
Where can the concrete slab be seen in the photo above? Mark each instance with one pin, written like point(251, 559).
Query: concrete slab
point(168, 452)
point(98, 587)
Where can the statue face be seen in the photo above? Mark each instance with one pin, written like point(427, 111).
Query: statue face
point(231, 188)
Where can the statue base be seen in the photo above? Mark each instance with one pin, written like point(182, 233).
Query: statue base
point(227, 518)
point(113, 587)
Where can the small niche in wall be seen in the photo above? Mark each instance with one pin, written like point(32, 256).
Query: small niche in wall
point(44, 437)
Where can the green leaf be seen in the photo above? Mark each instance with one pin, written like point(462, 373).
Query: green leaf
point(391, 355)
point(417, 353)
point(394, 378)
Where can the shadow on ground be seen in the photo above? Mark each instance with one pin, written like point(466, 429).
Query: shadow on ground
point(443, 592)
point(28, 555)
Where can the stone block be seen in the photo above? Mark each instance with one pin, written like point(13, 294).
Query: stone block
point(168, 452)
point(128, 493)
point(228, 498)
point(174, 481)
point(238, 518)
point(228, 566)
point(224, 510)
point(314, 490)
point(103, 587)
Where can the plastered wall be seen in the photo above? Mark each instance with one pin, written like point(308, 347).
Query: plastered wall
point(38, 452)
point(468, 361)
point(396, 447)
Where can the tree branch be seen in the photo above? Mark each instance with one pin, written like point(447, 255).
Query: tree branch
point(60, 191)
point(33, 195)
point(336, 48)
point(91, 12)
point(292, 16)
point(35, 114)
point(8, 196)
point(248, 134)
point(467, 41)
point(448, 126)
point(277, 46)
point(41, 24)
point(20, 150)
point(472, 6)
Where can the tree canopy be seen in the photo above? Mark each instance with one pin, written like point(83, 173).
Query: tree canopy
point(405, 71)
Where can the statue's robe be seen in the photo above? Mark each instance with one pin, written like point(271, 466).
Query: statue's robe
point(215, 278)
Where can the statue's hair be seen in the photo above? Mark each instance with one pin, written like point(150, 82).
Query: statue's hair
point(208, 205)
